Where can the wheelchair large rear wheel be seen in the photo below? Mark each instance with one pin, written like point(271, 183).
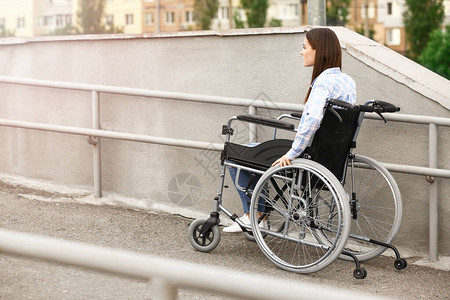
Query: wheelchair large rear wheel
point(376, 206)
point(304, 201)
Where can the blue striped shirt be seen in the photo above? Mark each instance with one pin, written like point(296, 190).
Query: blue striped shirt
point(331, 83)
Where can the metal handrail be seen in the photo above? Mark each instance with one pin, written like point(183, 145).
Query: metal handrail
point(435, 172)
point(151, 93)
point(433, 122)
point(167, 276)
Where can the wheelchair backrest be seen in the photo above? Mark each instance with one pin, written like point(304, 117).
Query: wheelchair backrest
point(334, 139)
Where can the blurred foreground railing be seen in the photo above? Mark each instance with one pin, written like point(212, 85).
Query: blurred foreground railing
point(167, 276)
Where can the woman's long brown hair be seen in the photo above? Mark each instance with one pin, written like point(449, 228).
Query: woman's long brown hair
point(328, 52)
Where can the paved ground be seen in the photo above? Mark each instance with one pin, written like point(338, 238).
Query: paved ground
point(166, 235)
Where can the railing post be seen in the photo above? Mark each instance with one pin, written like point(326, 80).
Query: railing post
point(317, 12)
point(251, 126)
point(434, 201)
point(163, 290)
point(97, 145)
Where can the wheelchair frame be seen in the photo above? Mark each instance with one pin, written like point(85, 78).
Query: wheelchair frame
point(313, 217)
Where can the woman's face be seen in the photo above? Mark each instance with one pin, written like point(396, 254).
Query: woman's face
point(308, 54)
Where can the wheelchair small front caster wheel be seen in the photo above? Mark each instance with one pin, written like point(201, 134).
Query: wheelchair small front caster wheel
point(206, 242)
point(360, 273)
point(400, 264)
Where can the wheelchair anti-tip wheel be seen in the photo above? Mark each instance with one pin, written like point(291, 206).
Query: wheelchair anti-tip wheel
point(400, 264)
point(360, 273)
point(309, 216)
point(207, 241)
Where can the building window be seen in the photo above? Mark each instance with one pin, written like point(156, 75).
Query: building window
point(190, 17)
point(110, 21)
point(290, 11)
point(59, 20)
point(20, 23)
point(294, 9)
point(48, 21)
point(129, 19)
point(170, 18)
point(393, 9)
point(223, 13)
point(393, 37)
point(149, 19)
point(370, 10)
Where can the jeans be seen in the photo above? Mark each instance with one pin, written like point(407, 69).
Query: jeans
point(244, 179)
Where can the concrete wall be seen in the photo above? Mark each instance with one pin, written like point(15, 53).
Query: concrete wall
point(253, 64)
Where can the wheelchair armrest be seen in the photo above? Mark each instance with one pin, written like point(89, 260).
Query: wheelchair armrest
point(266, 122)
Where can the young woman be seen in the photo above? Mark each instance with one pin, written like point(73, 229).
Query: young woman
point(322, 51)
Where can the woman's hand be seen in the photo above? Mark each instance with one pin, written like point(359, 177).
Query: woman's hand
point(283, 161)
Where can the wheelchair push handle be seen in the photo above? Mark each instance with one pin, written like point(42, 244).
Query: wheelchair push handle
point(375, 106)
point(378, 107)
point(387, 107)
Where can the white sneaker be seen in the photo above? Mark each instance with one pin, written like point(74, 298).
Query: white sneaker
point(263, 224)
point(235, 228)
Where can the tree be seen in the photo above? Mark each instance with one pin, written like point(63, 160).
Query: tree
point(436, 55)
point(256, 11)
point(421, 18)
point(238, 23)
point(90, 15)
point(337, 12)
point(67, 30)
point(204, 12)
point(276, 23)
point(361, 31)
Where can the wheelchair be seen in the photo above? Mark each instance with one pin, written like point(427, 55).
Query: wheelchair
point(330, 203)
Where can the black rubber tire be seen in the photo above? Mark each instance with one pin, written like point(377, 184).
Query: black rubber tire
point(360, 273)
point(206, 243)
point(400, 264)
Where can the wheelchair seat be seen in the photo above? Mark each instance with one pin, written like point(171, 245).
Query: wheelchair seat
point(334, 139)
point(260, 157)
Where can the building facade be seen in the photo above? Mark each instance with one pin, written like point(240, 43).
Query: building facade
point(26, 18)
point(167, 15)
point(392, 31)
point(385, 21)
point(125, 15)
point(50, 16)
point(17, 18)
